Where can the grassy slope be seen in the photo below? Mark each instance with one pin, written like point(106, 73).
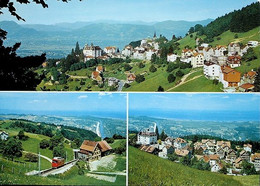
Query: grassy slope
point(147, 169)
point(152, 80)
point(200, 84)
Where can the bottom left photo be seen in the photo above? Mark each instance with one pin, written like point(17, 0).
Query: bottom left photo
point(63, 138)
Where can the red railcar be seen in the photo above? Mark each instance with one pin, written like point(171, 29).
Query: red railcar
point(57, 162)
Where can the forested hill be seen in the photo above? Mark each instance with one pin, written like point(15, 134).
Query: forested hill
point(237, 21)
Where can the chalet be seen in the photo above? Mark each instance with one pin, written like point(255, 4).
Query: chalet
point(234, 49)
point(182, 153)
point(248, 147)
point(197, 60)
point(244, 49)
point(112, 81)
point(100, 69)
point(179, 143)
point(220, 60)
point(249, 77)
point(91, 150)
point(127, 51)
point(209, 143)
point(234, 61)
point(244, 155)
point(238, 163)
point(131, 77)
point(247, 87)
point(216, 167)
point(211, 70)
point(149, 53)
point(139, 54)
point(169, 141)
point(4, 135)
point(186, 55)
point(166, 150)
point(172, 57)
point(211, 159)
point(220, 50)
point(91, 52)
point(148, 148)
point(255, 159)
point(97, 76)
point(221, 144)
point(110, 50)
point(221, 153)
point(208, 53)
point(229, 77)
point(146, 137)
point(231, 155)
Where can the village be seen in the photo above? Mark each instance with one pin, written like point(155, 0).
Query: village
point(218, 63)
point(218, 155)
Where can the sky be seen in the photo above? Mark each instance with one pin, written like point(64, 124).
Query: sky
point(124, 10)
point(76, 102)
point(237, 105)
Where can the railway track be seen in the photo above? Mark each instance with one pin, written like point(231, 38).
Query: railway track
point(59, 170)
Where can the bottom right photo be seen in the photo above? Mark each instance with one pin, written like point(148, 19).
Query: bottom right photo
point(194, 139)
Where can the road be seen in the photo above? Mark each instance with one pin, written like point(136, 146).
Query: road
point(121, 85)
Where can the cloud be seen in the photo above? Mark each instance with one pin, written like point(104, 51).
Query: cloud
point(83, 97)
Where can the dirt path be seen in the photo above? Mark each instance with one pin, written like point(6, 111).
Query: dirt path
point(107, 161)
point(102, 177)
point(78, 77)
point(183, 80)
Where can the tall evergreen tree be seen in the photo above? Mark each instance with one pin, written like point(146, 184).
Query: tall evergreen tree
point(77, 49)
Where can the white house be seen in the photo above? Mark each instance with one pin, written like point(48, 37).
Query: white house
point(204, 45)
point(234, 49)
point(128, 51)
point(248, 147)
point(208, 53)
point(3, 135)
point(91, 52)
point(180, 143)
point(149, 53)
point(216, 167)
point(197, 60)
point(253, 43)
point(169, 141)
point(172, 57)
point(139, 54)
point(110, 50)
point(220, 50)
point(112, 81)
point(146, 137)
point(255, 159)
point(166, 150)
point(211, 70)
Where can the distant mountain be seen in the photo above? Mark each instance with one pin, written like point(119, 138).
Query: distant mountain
point(57, 40)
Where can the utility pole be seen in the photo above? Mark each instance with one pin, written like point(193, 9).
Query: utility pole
point(39, 168)
point(66, 157)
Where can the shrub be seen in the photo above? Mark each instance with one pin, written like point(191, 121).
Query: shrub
point(152, 68)
point(171, 78)
point(31, 157)
point(44, 144)
point(139, 78)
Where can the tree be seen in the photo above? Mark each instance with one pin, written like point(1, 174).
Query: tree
point(139, 78)
point(21, 135)
point(247, 168)
point(171, 78)
point(110, 140)
point(59, 151)
point(141, 65)
point(44, 144)
point(31, 157)
point(127, 67)
point(185, 160)
point(56, 140)
point(16, 72)
point(160, 89)
point(191, 30)
point(77, 49)
point(179, 73)
point(152, 68)
point(249, 56)
point(173, 157)
point(163, 136)
point(223, 170)
point(13, 148)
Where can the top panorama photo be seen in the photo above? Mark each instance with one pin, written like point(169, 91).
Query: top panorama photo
point(147, 45)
